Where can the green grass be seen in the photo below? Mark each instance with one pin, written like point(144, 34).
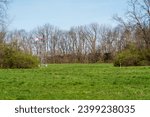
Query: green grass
point(76, 81)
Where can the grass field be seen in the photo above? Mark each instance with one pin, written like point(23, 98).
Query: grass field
point(76, 81)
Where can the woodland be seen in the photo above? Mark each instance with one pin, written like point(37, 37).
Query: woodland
point(126, 44)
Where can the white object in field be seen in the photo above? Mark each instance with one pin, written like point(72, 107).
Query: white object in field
point(43, 65)
point(36, 39)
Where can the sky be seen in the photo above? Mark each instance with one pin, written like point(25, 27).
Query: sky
point(29, 14)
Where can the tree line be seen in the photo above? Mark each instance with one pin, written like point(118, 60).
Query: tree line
point(83, 44)
point(126, 44)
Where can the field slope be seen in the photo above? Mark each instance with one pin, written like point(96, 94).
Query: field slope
point(75, 81)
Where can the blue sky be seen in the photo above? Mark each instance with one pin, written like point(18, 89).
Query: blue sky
point(28, 14)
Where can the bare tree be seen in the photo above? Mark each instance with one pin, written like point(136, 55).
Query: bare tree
point(3, 9)
point(3, 14)
point(139, 14)
point(138, 18)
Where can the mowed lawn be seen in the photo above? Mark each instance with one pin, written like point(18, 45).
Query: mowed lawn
point(75, 81)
